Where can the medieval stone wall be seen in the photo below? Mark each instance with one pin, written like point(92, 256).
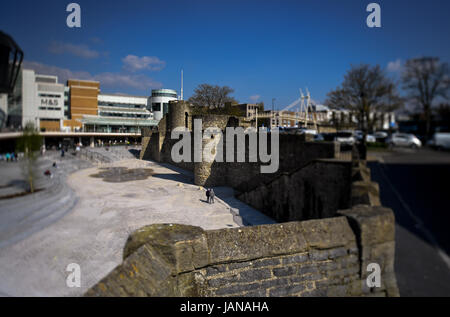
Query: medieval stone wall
point(317, 190)
point(294, 150)
point(324, 257)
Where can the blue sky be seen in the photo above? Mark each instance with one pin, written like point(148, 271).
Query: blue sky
point(262, 49)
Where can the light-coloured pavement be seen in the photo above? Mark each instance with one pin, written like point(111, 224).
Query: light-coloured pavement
point(95, 230)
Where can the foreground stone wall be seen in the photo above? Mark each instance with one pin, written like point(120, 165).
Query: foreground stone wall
point(326, 257)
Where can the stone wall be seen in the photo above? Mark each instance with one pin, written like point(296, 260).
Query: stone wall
point(317, 190)
point(294, 151)
point(326, 257)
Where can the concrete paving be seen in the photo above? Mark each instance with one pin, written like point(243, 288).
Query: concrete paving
point(93, 232)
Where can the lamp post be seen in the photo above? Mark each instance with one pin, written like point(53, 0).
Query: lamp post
point(11, 57)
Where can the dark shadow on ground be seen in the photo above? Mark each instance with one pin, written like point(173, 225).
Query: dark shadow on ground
point(249, 215)
point(135, 152)
point(174, 177)
point(419, 196)
point(182, 176)
point(425, 190)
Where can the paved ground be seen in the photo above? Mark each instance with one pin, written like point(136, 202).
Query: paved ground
point(415, 184)
point(93, 233)
point(22, 216)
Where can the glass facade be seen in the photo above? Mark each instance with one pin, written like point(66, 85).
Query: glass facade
point(164, 94)
point(156, 106)
point(122, 105)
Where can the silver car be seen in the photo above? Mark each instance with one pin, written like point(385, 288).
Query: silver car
point(345, 138)
point(404, 140)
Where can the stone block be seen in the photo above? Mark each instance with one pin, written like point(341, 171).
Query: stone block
point(144, 273)
point(254, 275)
point(285, 271)
point(374, 224)
point(286, 290)
point(266, 262)
point(240, 244)
point(300, 258)
point(365, 193)
point(184, 246)
point(328, 233)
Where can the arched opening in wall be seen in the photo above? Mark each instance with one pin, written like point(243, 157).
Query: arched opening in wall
point(186, 120)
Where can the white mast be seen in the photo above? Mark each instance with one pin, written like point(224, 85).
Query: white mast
point(181, 84)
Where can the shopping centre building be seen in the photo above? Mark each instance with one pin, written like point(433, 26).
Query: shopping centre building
point(80, 106)
point(38, 99)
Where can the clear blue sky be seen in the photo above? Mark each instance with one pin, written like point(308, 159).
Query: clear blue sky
point(259, 48)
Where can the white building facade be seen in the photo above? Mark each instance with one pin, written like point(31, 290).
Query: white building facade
point(3, 110)
point(42, 99)
point(159, 102)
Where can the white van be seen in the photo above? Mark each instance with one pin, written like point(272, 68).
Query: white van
point(441, 141)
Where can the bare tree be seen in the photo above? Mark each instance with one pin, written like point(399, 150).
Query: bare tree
point(29, 143)
point(443, 114)
point(211, 96)
point(425, 79)
point(365, 91)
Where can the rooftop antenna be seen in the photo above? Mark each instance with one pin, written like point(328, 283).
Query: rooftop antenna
point(273, 113)
point(182, 84)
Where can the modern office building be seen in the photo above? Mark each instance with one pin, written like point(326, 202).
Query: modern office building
point(82, 99)
point(79, 106)
point(159, 101)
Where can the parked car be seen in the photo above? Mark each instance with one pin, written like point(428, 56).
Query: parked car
point(369, 137)
point(440, 141)
point(345, 138)
point(319, 137)
point(308, 131)
point(404, 140)
point(381, 136)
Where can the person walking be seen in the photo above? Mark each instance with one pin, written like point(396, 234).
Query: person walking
point(211, 196)
point(208, 195)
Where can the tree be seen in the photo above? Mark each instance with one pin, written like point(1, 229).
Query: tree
point(260, 106)
point(365, 91)
point(212, 96)
point(443, 114)
point(29, 143)
point(425, 79)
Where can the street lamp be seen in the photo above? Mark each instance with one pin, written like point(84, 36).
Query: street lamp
point(11, 57)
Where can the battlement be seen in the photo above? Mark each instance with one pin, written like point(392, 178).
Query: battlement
point(325, 257)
